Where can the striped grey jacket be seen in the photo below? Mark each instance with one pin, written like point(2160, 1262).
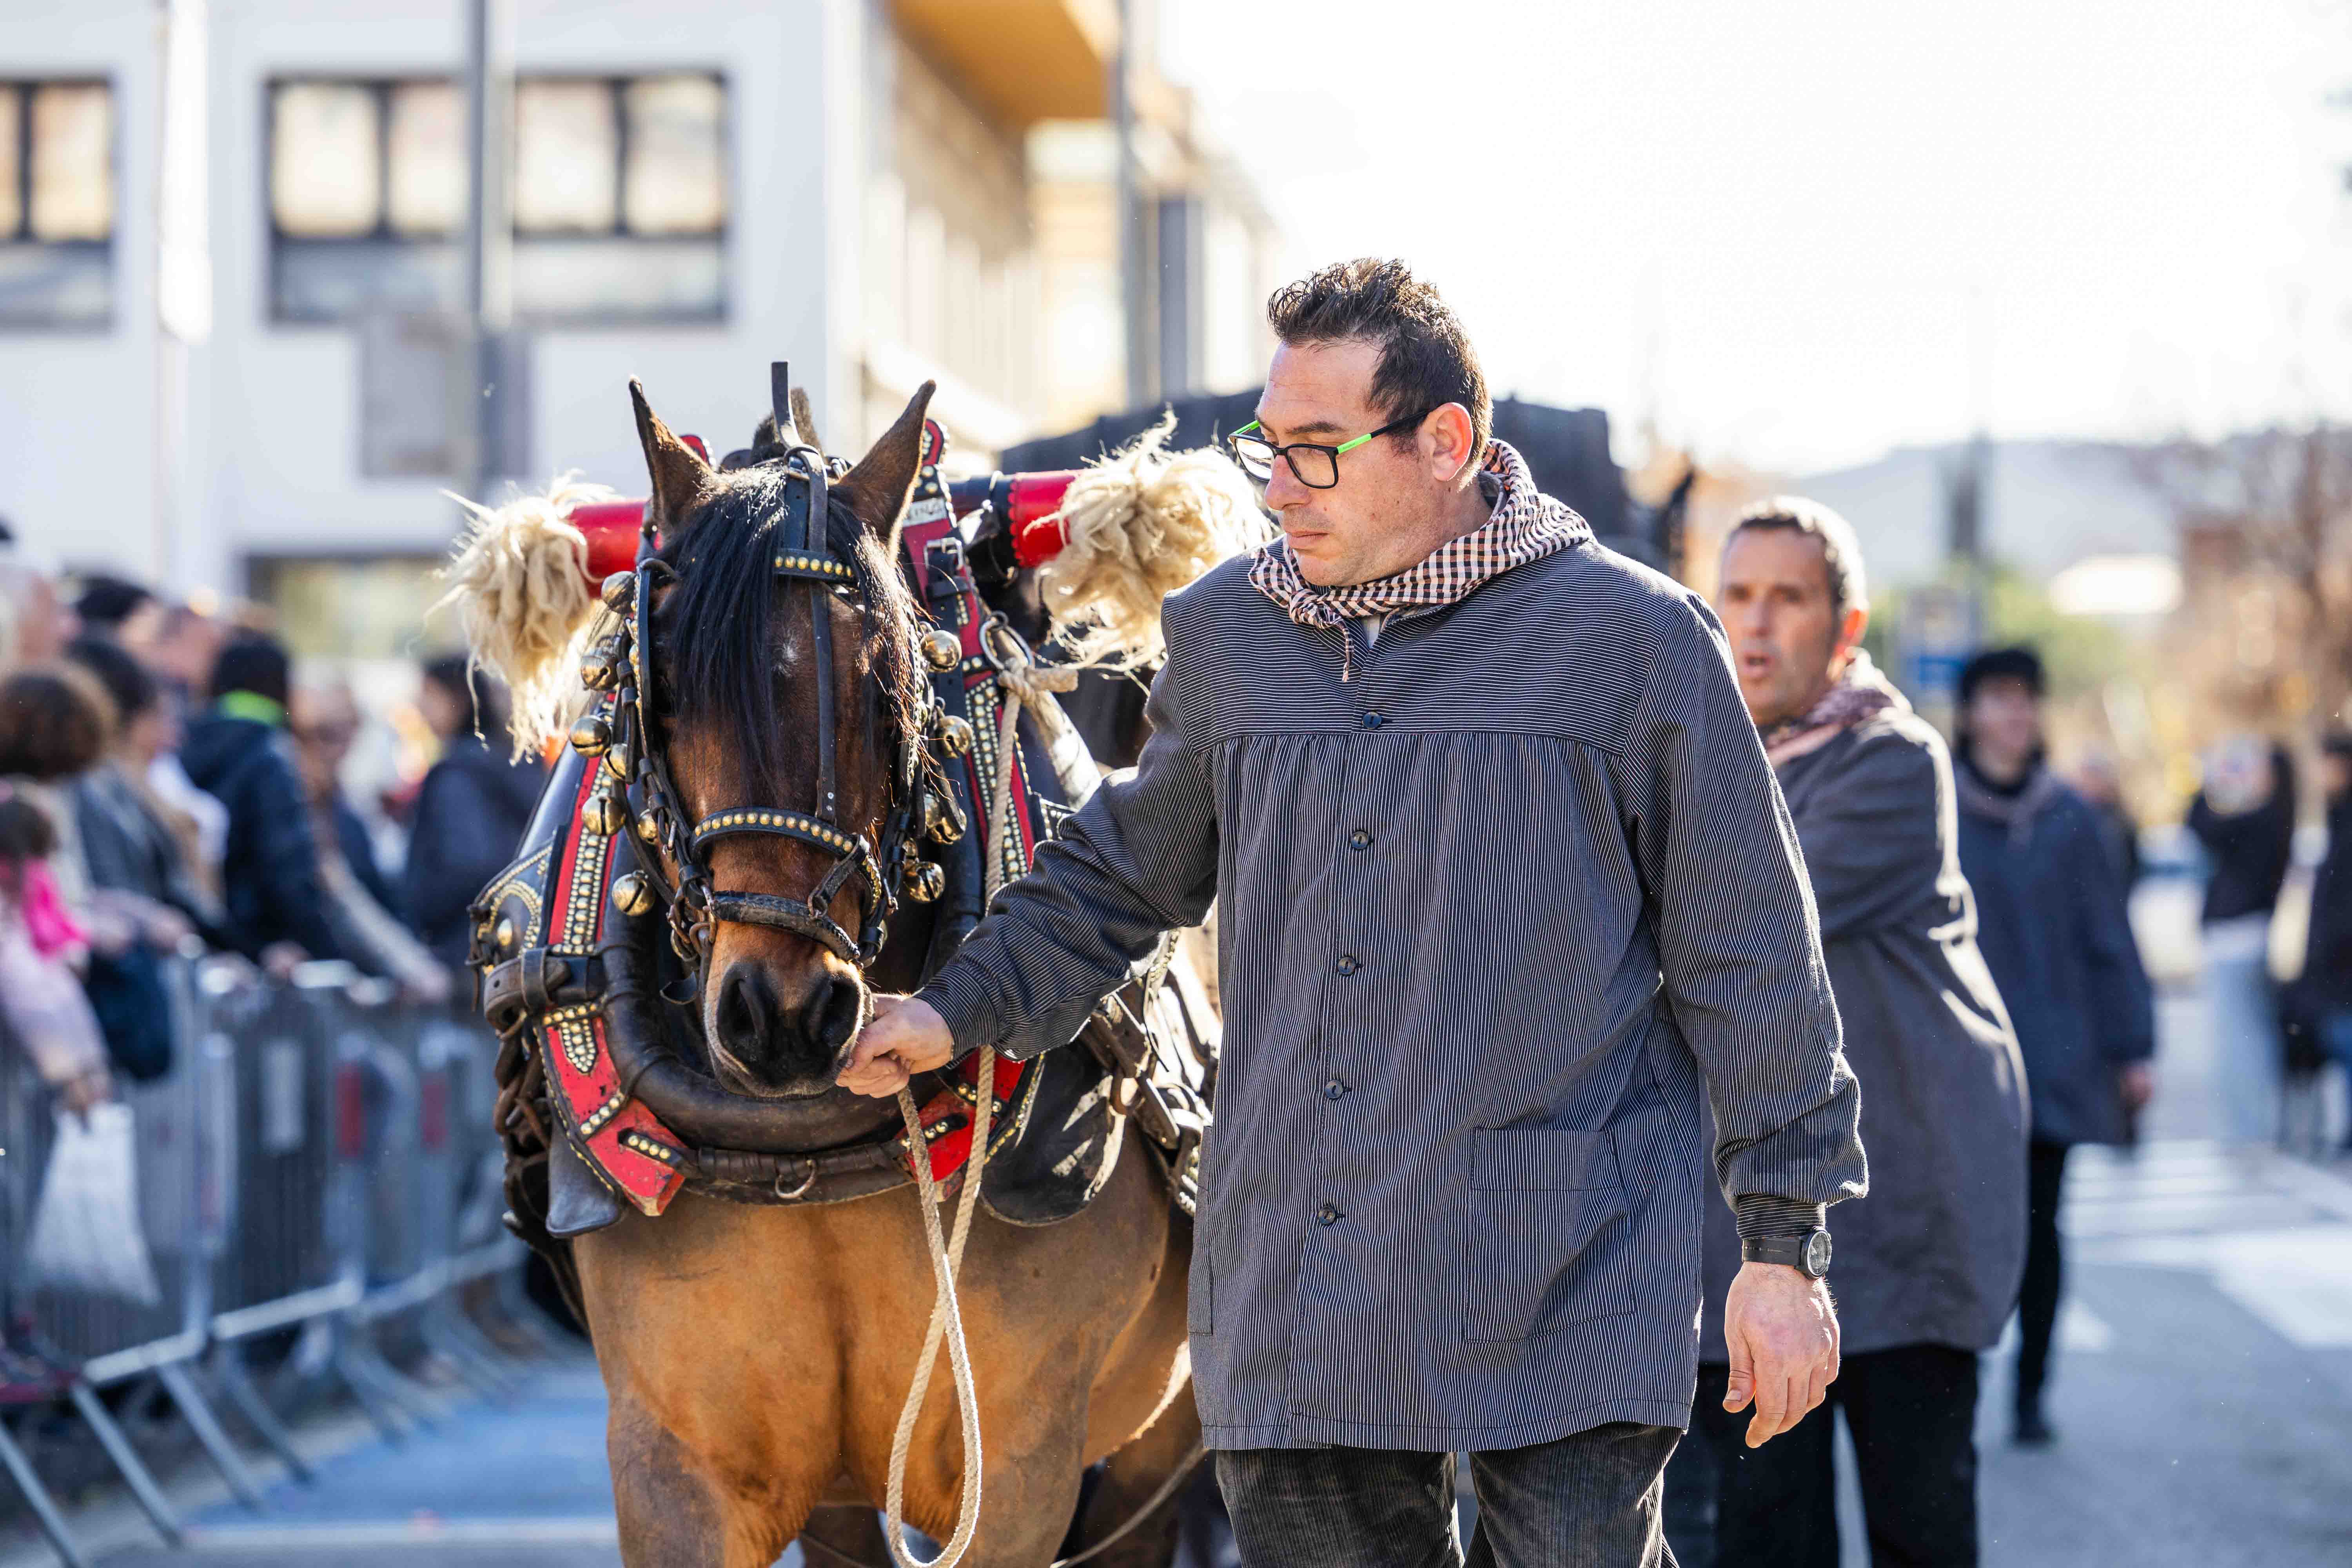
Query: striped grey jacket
point(1492, 912)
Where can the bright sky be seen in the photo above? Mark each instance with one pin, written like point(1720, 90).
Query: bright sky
point(1800, 233)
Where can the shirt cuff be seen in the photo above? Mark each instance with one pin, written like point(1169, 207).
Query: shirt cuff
point(965, 1001)
point(1761, 1214)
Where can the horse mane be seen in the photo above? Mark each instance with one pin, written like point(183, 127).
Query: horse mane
point(722, 615)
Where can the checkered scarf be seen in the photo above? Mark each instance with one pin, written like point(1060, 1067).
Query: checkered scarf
point(1527, 525)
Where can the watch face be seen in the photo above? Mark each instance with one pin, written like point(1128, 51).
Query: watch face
point(1817, 1254)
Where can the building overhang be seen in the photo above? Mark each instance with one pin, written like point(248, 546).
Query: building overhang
point(1026, 60)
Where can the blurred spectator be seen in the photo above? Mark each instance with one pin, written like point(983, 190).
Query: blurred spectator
point(52, 726)
point(239, 752)
point(35, 623)
point(325, 721)
point(178, 645)
point(472, 810)
point(2098, 781)
point(2321, 1000)
point(2052, 925)
point(128, 839)
point(2244, 817)
point(115, 606)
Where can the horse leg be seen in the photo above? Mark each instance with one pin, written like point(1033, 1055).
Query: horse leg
point(672, 1512)
point(1129, 1479)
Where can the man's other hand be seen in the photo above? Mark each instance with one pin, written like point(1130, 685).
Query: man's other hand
point(2137, 1083)
point(905, 1037)
point(1782, 1334)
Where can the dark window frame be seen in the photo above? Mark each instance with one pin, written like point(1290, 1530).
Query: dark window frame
point(718, 238)
point(24, 236)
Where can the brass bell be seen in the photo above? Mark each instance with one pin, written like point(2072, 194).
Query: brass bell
point(616, 763)
point(954, 736)
point(593, 736)
point(649, 827)
point(941, 650)
point(620, 593)
point(606, 814)
point(599, 670)
point(633, 893)
point(924, 881)
point(941, 821)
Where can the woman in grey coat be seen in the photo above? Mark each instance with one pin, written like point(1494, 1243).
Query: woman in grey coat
point(1926, 1265)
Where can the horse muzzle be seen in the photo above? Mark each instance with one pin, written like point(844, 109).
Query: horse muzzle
point(769, 1047)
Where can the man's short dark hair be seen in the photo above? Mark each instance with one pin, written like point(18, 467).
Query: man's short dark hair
point(254, 662)
point(2337, 743)
point(1841, 550)
point(107, 601)
point(1426, 360)
point(2019, 664)
point(481, 700)
point(125, 679)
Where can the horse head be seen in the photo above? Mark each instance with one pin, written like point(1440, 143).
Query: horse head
point(748, 669)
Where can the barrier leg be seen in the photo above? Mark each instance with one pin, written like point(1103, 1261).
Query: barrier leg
point(207, 1429)
point(445, 1332)
point(236, 1382)
point(526, 1314)
point(378, 1404)
point(127, 1461)
point(36, 1497)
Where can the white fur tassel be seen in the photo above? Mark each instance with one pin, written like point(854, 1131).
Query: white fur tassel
point(519, 580)
point(1142, 523)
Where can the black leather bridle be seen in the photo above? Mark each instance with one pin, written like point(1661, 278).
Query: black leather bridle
point(633, 756)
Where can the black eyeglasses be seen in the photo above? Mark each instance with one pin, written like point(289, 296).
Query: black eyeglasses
point(1316, 467)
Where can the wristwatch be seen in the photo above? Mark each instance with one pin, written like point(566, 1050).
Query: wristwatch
point(1809, 1252)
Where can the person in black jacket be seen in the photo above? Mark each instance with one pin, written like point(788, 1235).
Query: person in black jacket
point(2052, 924)
point(238, 752)
point(471, 810)
point(2322, 998)
point(2244, 817)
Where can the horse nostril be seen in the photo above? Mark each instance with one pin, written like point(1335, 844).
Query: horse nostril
point(745, 1007)
point(831, 1015)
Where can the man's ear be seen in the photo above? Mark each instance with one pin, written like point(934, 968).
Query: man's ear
point(877, 488)
point(1449, 439)
point(1851, 625)
point(681, 479)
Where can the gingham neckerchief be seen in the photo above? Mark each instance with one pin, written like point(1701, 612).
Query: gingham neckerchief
point(1858, 694)
point(1527, 525)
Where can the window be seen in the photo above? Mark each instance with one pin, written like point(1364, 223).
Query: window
point(57, 203)
point(620, 201)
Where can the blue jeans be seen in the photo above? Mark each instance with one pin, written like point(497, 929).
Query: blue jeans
point(1590, 1501)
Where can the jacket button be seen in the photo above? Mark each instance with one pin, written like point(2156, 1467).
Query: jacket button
point(1334, 1090)
point(1348, 964)
point(1326, 1214)
point(1359, 839)
point(1372, 721)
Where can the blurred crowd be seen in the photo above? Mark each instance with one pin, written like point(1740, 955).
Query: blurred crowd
point(171, 786)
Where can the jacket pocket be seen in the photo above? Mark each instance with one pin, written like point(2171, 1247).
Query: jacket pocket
point(1549, 1232)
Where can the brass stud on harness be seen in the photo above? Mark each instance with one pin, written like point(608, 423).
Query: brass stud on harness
point(606, 814)
point(953, 734)
point(633, 893)
point(506, 934)
point(941, 650)
point(593, 736)
point(925, 881)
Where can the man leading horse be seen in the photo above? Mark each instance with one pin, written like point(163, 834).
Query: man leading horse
point(1503, 881)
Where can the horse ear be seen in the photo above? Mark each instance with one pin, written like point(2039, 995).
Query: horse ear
point(876, 490)
point(682, 481)
point(805, 418)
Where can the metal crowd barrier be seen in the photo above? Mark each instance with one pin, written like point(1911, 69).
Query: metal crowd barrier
point(318, 1173)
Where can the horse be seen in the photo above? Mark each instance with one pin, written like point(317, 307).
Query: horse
point(755, 1356)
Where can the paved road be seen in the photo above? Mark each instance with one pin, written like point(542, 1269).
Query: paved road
point(2203, 1395)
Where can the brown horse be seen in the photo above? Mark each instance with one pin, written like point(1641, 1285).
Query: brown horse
point(757, 1356)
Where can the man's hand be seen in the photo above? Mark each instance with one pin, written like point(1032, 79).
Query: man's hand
point(904, 1038)
point(2137, 1083)
point(1782, 1334)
